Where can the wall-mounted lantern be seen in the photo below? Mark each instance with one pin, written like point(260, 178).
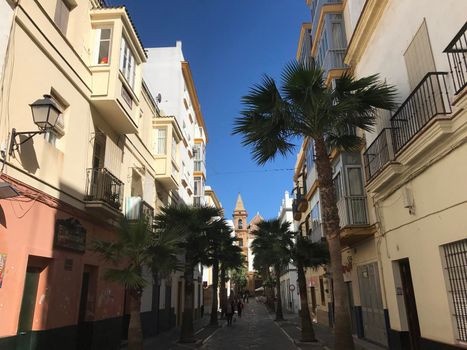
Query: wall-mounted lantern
point(45, 113)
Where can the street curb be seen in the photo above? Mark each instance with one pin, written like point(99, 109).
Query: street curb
point(317, 343)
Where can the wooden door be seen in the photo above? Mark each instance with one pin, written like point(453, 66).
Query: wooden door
point(28, 305)
point(410, 304)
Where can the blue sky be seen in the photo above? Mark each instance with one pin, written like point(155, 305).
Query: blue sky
point(230, 45)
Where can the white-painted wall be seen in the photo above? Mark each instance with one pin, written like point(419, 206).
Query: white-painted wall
point(6, 15)
point(163, 75)
point(290, 299)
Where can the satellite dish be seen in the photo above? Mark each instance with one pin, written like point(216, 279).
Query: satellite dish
point(159, 98)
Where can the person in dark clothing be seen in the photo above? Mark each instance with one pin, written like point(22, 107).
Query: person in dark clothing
point(230, 309)
point(239, 307)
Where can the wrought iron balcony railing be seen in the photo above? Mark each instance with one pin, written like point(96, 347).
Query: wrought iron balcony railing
point(352, 211)
point(457, 57)
point(198, 201)
point(102, 185)
point(378, 154)
point(428, 100)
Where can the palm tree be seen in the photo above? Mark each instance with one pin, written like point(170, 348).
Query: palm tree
point(195, 223)
point(305, 107)
point(135, 246)
point(273, 243)
point(231, 258)
point(219, 239)
point(307, 254)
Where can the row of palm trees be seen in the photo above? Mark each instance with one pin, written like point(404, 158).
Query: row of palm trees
point(274, 247)
point(305, 106)
point(180, 238)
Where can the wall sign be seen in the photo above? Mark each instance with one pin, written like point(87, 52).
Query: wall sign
point(70, 234)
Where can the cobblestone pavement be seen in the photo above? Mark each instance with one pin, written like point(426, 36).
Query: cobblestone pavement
point(254, 330)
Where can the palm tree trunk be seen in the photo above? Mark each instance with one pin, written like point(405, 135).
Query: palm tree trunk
point(187, 332)
point(135, 333)
point(330, 216)
point(223, 291)
point(279, 314)
point(215, 283)
point(308, 334)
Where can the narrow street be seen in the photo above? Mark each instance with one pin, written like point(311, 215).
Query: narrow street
point(256, 329)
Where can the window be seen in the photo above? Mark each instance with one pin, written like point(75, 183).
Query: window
point(127, 63)
point(160, 146)
point(240, 224)
point(240, 242)
point(102, 50)
point(456, 255)
point(51, 137)
point(62, 14)
point(310, 155)
point(338, 186)
point(174, 150)
point(315, 214)
point(355, 180)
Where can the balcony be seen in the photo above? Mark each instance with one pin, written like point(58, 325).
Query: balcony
point(297, 215)
point(113, 95)
point(198, 201)
point(354, 221)
point(104, 191)
point(136, 208)
point(378, 154)
point(316, 7)
point(333, 59)
point(316, 233)
point(200, 166)
point(428, 100)
point(457, 57)
point(301, 203)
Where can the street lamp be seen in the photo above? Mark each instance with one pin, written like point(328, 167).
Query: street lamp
point(45, 113)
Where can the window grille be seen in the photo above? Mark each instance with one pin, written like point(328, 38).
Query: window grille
point(456, 266)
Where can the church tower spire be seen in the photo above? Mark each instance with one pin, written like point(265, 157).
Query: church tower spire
point(239, 205)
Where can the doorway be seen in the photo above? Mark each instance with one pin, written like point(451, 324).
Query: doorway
point(86, 307)
point(410, 304)
point(374, 323)
point(179, 303)
point(28, 305)
point(351, 306)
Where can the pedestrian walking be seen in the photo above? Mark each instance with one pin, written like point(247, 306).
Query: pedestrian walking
point(239, 307)
point(230, 309)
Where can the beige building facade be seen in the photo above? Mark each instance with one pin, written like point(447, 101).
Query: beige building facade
point(404, 249)
point(413, 163)
point(72, 184)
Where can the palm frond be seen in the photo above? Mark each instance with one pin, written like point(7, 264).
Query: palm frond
point(129, 277)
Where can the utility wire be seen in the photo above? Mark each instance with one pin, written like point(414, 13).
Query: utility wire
point(249, 171)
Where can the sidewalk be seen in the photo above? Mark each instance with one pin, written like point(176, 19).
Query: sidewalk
point(169, 339)
point(325, 335)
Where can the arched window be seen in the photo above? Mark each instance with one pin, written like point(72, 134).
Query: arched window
point(240, 223)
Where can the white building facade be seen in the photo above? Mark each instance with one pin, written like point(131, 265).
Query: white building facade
point(289, 284)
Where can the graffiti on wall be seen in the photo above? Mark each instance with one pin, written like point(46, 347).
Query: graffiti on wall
point(2, 267)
